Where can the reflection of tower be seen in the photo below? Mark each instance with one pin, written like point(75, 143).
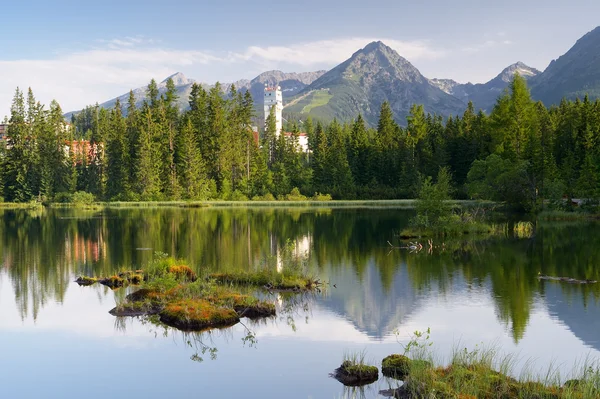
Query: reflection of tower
point(301, 250)
point(274, 98)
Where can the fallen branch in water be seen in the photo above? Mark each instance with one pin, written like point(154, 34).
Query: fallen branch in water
point(565, 279)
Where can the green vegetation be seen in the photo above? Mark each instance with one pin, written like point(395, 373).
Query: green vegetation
point(171, 289)
point(355, 372)
point(317, 99)
point(395, 366)
point(265, 278)
point(521, 154)
point(437, 217)
point(483, 374)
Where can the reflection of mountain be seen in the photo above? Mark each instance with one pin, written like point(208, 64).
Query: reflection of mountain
point(581, 317)
point(377, 309)
point(365, 303)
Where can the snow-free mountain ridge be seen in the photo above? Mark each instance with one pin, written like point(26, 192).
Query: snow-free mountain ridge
point(377, 73)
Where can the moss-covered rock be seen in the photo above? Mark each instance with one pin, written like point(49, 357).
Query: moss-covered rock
point(136, 309)
point(395, 366)
point(196, 315)
point(133, 277)
point(352, 374)
point(113, 281)
point(256, 310)
point(83, 280)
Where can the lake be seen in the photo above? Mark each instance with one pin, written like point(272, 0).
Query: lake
point(57, 339)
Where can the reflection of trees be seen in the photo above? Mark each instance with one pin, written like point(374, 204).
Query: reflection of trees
point(512, 267)
point(42, 251)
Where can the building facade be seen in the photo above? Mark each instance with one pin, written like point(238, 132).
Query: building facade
point(274, 98)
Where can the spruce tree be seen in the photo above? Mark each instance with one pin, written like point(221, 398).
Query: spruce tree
point(117, 179)
point(17, 160)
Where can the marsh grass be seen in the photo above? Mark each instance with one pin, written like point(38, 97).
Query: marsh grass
point(485, 373)
point(523, 230)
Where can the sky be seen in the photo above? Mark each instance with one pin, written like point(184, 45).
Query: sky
point(83, 52)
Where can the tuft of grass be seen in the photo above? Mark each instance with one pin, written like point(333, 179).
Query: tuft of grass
point(182, 272)
point(355, 371)
point(523, 230)
point(270, 279)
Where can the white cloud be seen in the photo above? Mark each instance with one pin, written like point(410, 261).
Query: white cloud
point(488, 44)
point(334, 51)
point(114, 66)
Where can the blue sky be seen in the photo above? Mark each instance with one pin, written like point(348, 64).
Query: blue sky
point(80, 52)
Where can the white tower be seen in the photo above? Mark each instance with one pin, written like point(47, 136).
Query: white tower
point(273, 97)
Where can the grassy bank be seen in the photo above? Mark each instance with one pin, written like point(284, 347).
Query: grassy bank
point(403, 203)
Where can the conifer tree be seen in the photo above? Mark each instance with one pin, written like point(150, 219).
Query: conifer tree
point(192, 178)
point(17, 161)
point(117, 179)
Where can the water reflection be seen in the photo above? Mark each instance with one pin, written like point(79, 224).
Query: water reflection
point(376, 290)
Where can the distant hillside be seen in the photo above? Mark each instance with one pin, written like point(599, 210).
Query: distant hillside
point(362, 83)
point(572, 75)
point(291, 83)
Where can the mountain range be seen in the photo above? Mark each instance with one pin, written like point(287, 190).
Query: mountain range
point(377, 73)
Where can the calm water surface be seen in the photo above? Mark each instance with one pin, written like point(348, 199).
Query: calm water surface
point(57, 339)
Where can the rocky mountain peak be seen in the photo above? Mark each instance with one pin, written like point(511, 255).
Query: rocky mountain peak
point(518, 67)
point(179, 79)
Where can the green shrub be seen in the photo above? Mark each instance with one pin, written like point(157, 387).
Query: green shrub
point(63, 198)
point(295, 195)
point(237, 195)
point(82, 198)
point(321, 197)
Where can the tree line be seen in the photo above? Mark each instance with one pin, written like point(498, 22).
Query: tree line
point(522, 152)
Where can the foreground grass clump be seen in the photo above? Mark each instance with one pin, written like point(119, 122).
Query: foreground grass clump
point(475, 375)
point(355, 372)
